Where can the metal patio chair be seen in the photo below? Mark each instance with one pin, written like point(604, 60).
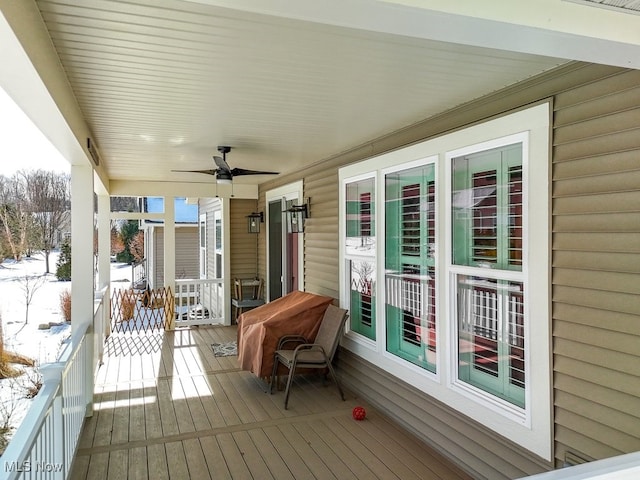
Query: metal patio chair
point(318, 354)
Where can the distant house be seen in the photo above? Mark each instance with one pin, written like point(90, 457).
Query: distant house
point(187, 245)
point(63, 232)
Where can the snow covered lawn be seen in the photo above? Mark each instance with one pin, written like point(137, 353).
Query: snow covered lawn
point(30, 339)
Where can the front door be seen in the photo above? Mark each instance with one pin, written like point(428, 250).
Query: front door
point(284, 248)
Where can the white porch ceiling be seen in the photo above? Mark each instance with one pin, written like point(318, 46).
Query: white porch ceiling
point(162, 83)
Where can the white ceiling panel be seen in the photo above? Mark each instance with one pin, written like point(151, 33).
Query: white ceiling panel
point(163, 83)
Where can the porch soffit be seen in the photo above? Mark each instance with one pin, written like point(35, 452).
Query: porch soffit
point(162, 84)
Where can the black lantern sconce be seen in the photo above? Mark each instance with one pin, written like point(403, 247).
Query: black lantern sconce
point(296, 215)
point(253, 222)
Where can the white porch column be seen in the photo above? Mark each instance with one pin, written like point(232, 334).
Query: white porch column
point(226, 259)
point(82, 286)
point(104, 241)
point(170, 251)
point(82, 290)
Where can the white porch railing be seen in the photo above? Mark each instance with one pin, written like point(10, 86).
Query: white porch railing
point(199, 302)
point(621, 467)
point(44, 445)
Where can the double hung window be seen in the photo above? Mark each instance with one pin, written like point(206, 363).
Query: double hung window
point(409, 265)
point(487, 220)
point(360, 255)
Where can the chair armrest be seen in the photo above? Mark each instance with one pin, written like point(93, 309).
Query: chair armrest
point(290, 339)
point(307, 347)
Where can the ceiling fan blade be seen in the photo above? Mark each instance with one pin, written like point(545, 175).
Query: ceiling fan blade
point(243, 171)
point(222, 164)
point(208, 172)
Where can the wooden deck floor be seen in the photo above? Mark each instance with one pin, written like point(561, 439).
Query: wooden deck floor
point(167, 408)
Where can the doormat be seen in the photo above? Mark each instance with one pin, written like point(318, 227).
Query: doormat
point(226, 349)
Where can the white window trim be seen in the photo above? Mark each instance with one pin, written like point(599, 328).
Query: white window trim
point(530, 427)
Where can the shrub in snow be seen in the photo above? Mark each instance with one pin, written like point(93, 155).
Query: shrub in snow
point(65, 305)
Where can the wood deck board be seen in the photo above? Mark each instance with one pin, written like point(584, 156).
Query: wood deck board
point(215, 459)
point(341, 450)
point(233, 456)
point(274, 463)
point(137, 425)
point(118, 464)
point(309, 455)
point(251, 456)
point(170, 409)
point(176, 460)
point(196, 460)
point(324, 451)
point(152, 417)
point(137, 464)
point(157, 463)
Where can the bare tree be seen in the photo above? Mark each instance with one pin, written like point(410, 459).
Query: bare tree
point(29, 284)
point(48, 199)
point(137, 246)
point(14, 216)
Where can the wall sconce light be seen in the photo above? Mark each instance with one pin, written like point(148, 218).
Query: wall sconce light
point(296, 216)
point(253, 222)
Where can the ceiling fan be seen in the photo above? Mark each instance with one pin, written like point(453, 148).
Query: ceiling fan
point(225, 174)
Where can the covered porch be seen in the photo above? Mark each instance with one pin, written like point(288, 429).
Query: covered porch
point(159, 87)
point(166, 407)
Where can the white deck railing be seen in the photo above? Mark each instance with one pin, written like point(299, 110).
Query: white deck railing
point(45, 443)
point(199, 301)
point(621, 467)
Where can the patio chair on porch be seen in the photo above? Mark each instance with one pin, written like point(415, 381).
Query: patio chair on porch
point(247, 294)
point(318, 354)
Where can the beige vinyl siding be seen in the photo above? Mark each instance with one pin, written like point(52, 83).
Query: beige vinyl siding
point(261, 261)
point(321, 240)
point(596, 268)
point(596, 263)
point(244, 246)
point(187, 254)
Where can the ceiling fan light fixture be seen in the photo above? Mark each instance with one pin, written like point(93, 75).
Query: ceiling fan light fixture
point(223, 181)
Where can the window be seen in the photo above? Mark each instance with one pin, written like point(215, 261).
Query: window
point(458, 277)
point(202, 230)
point(360, 252)
point(486, 208)
point(409, 265)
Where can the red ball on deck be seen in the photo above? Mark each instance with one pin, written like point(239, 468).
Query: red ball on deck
point(359, 413)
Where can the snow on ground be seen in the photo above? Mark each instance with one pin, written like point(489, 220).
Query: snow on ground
point(43, 346)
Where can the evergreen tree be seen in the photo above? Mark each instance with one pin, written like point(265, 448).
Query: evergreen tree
point(63, 265)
